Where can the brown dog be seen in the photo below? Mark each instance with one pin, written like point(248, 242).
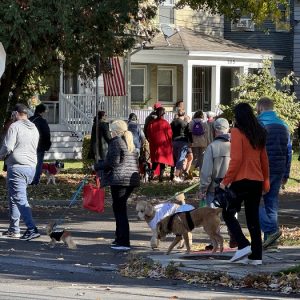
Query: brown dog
point(181, 224)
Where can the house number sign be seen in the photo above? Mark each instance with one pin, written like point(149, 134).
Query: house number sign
point(231, 61)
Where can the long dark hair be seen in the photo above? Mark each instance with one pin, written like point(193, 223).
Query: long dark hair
point(248, 124)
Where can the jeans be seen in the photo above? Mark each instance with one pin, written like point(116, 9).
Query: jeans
point(18, 177)
point(39, 166)
point(120, 195)
point(180, 150)
point(268, 214)
point(209, 199)
point(250, 192)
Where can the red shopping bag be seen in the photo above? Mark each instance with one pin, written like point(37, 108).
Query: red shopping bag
point(93, 197)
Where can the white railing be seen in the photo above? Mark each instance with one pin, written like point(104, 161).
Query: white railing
point(77, 111)
point(74, 118)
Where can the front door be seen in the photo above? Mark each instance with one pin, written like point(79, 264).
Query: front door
point(201, 93)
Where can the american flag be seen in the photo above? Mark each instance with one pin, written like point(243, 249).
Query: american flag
point(114, 80)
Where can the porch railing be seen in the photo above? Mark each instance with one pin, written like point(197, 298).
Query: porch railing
point(77, 111)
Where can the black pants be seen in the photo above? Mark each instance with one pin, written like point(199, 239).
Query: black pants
point(161, 168)
point(250, 192)
point(120, 195)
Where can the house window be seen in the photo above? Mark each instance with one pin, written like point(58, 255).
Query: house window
point(283, 24)
point(166, 91)
point(138, 84)
point(166, 12)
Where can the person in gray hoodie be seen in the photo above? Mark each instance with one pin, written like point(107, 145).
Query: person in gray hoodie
point(215, 164)
point(19, 150)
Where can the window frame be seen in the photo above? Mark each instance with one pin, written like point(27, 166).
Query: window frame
point(174, 83)
point(139, 67)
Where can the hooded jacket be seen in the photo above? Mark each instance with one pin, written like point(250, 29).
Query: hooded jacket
point(278, 143)
point(20, 144)
point(215, 162)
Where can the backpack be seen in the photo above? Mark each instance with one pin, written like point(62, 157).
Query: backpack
point(197, 128)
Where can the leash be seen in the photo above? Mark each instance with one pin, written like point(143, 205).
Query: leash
point(183, 191)
point(73, 200)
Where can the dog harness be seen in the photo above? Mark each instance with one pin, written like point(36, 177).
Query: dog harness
point(57, 234)
point(189, 220)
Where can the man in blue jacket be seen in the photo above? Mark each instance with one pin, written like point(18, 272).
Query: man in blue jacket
point(279, 151)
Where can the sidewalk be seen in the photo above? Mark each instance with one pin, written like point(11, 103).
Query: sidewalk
point(94, 232)
point(219, 262)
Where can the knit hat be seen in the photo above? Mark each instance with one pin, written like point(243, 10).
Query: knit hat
point(222, 125)
point(157, 105)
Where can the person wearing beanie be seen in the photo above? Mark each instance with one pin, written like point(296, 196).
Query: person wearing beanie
point(152, 116)
point(45, 139)
point(122, 175)
point(159, 135)
point(215, 164)
point(19, 150)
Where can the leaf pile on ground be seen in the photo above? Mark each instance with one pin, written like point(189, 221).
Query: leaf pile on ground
point(290, 236)
point(140, 267)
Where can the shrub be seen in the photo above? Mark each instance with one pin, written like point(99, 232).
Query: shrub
point(86, 161)
point(263, 84)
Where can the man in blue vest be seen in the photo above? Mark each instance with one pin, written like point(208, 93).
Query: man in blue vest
point(279, 151)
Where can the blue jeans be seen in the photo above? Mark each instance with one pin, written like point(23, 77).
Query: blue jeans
point(18, 177)
point(180, 150)
point(209, 199)
point(268, 214)
point(39, 166)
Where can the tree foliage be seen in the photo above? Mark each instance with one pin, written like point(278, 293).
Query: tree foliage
point(37, 35)
point(263, 84)
point(235, 9)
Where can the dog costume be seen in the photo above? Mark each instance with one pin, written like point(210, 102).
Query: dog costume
point(165, 209)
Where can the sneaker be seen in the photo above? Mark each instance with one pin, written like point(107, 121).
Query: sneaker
point(240, 254)
point(10, 234)
point(30, 234)
point(120, 248)
point(253, 262)
point(273, 248)
point(114, 243)
point(272, 238)
point(177, 179)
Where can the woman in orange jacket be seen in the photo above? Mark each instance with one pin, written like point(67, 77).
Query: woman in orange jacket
point(248, 177)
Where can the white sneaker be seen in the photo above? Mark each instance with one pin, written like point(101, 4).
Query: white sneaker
point(240, 254)
point(253, 262)
point(120, 248)
point(177, 179)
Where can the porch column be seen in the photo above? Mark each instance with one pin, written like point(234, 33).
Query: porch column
point(187, 87)
point(244, 70)
point(215, 87)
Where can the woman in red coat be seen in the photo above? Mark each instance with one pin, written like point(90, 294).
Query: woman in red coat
point(159, 135)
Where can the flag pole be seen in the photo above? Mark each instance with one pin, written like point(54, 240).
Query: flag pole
point(97, 106)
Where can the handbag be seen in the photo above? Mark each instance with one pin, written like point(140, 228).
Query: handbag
point(93, 197)
point(226, 199)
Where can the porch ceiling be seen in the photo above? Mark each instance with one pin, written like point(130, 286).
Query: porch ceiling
point(199, 44)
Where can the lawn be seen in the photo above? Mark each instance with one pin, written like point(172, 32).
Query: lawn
point(72, 174)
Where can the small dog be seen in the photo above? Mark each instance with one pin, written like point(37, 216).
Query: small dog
point(52, 169)
point(153, 214)
point(58, 235)
point(181, 224)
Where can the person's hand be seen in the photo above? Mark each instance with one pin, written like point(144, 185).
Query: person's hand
point(222, 186)
point(202, 195)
